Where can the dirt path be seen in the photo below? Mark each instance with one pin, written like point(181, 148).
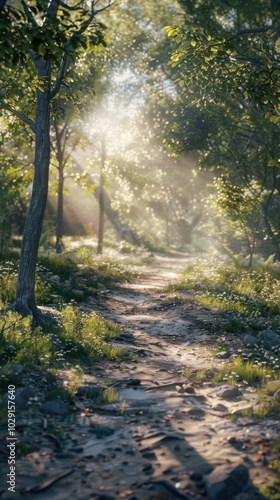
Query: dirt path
point(165, 437)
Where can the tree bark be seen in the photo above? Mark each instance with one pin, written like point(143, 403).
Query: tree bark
point(123, 231)
point(101, 199)
point(59, 215)
point(25, 294)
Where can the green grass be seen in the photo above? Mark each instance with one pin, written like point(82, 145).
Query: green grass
point(250, 372)
point(248, 300)
point(80, 337)
point(68, 278)
point(77, 340)
point(249, 292)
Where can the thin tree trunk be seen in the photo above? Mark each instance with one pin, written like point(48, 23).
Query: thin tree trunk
point(59, 215)
point(269, 229)
point(123, 231)
point(3, 236)
point(25, 295)
point(101, 200)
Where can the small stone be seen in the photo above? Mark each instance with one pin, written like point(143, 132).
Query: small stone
point(251, 340)
point(76, 449)
point(17, 369)
point(103, 430)
point(150, 455)
point(127, 336)
point(55, 407)
point(229, 392)
point(90, 391)
point(226, 481)
point(219, 407)
point(189, 389)
point(196, 476)
point(223, 355)
point(196, 412)
point(133, 382)
point(269, 338)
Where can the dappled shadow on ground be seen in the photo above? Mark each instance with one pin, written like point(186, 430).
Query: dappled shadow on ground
point(164, 434)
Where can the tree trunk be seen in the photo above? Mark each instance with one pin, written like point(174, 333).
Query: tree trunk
point(269, 229)
point(101, 199)
point(25, 294)
point(59, 215)
point(123, 231)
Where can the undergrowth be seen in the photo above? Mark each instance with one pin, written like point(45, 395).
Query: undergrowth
point(248, 300)
point(252, 292)
point(79, 338)
point(62, 278)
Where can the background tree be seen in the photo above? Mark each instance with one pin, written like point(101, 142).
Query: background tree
point(45, 38)
point(227, 71)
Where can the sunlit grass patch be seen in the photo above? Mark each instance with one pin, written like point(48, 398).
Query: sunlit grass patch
point(188, 373)
point(250, 372)
point(86, 336)
point(248, 292)
point(66, 277)
point(80, 337)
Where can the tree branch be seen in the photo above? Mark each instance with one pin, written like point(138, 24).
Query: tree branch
point(59, 77)
point(104, 8)
point(67, 45)
point(28, 14)
point(75, 7)
point(20, 115)
point(250, 31)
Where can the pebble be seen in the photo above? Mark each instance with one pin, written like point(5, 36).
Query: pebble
point(223, 355)
point(188, 389)
point(17, 369)
point(103, 430)
point(133, 382)
point(229, 392)
point(219, 407)
point(269, 338)
point(196, 412)
point(89, 390)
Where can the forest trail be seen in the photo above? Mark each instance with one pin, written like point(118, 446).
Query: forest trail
point(165, 436)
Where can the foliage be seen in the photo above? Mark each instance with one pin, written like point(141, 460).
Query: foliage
point(226, 71)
